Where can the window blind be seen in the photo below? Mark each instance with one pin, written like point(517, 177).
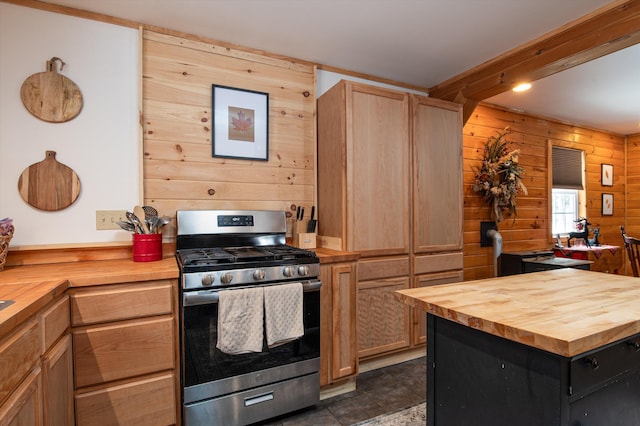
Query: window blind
point(567, 168)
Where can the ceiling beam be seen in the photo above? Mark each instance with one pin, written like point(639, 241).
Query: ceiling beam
point(606, 30)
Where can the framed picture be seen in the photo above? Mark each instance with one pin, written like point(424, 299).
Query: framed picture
point(240, 123)
point(607, 175)
point(607, 204)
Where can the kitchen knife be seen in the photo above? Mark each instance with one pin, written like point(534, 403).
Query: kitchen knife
point(298, 213)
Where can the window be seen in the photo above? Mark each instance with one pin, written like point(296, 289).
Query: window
point(568, 193)
point(564, 210)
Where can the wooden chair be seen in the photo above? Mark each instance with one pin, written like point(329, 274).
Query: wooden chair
point(632, 245)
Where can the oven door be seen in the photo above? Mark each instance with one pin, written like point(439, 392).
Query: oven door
point(209, 373)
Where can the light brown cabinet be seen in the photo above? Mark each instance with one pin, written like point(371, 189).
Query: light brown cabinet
point(36, 370)
point(124, 352)
point(338, 344)
point(389, 187)
point(419, 316)
point(363, 168)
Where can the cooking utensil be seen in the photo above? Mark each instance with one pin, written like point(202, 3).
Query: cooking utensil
point(139, 212)
point(50, 96)
point(311, 226)
point(49, 185)
point(149, 212)
point(127, 226)
point(136, 222)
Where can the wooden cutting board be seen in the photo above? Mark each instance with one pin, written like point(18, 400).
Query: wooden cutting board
point(49, 185)
point(50, 96)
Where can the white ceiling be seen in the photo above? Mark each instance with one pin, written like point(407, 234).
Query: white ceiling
point(417, 42)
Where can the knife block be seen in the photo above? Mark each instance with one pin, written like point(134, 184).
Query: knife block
point(302, 238)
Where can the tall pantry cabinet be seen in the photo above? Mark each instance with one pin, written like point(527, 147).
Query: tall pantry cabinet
point(390, 188)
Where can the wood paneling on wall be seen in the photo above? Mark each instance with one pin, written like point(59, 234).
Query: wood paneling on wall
point(632, 225)
point(532, 228)
point(179, 170)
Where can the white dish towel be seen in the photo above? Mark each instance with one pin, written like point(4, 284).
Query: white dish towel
point(240, 319)
point(283, 313)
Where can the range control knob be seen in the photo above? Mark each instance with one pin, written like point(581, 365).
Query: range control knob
point(226, 278)
point(207, 279)
point(289, 271)
point(303, 271)
point(258, 274)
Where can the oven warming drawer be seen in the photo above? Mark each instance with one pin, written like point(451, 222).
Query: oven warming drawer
point(256, 404)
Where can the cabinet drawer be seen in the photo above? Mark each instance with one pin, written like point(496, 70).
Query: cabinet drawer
point(54, 322)
point(383, 268)
point(438, 262)
point(150, 401)
point(123, 350)
point(120, 302)
point(602, 367)
point(19, 352)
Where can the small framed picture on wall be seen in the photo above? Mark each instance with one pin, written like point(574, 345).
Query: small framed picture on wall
point(607, 175)
point(607, 204)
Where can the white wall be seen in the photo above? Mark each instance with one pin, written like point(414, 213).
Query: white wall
point(101, 144)
point(325, 80)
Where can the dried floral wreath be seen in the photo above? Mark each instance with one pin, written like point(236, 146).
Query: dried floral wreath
point(498, 179)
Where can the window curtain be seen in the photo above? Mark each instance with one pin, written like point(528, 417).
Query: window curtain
point(567, 168)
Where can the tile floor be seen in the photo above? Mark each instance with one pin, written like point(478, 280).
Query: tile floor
point(381, 391)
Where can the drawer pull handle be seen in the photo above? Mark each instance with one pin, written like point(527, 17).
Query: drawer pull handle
point(258, 399)
point(634, 345)
point(593, 362)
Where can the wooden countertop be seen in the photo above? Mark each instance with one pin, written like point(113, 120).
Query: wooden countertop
point(334, 256)
point(32, 287)
point(564, 311)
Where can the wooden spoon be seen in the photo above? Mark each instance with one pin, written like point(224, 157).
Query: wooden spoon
point(139, 212)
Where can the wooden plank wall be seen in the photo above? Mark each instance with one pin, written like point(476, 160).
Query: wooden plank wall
point(531, 229)
point(179, 170)
point(632, 225)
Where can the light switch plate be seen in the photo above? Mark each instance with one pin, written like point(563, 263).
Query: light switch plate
point(106, 219)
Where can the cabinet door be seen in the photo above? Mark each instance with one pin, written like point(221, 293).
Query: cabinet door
point(24, 407)
point(344, 358)
point(437, 175)
point(383, 322)
point(57, 384)
point(377, 171)
point(19, 352)
point(420, 316)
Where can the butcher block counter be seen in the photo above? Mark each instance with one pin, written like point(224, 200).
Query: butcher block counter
point(559, 347)
point(32, 287)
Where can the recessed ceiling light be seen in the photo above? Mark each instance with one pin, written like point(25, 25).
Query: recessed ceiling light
point(522, 87)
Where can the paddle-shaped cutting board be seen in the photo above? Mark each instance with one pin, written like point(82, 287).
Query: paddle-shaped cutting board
point(49, 185)
point(50, 96)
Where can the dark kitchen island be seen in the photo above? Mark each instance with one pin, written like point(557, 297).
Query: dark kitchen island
point(559, 347)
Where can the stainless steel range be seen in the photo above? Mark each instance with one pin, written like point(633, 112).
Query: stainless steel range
point(235, 257)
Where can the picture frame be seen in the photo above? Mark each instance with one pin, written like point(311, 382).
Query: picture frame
point(240, 123)
point(607, 204)
point(606, 175)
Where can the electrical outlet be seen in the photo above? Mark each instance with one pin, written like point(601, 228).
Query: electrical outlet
point(106, 219)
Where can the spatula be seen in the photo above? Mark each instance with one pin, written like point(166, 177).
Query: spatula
point(139, 212)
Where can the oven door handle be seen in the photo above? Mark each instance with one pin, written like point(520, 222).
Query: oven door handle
point(207, 297)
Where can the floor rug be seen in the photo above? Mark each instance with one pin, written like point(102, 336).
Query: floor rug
point(412, 416)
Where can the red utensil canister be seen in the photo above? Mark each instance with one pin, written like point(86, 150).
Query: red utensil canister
point(147, 247)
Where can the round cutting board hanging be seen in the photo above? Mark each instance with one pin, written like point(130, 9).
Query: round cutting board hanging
point(49, 185)
point(50, 96)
